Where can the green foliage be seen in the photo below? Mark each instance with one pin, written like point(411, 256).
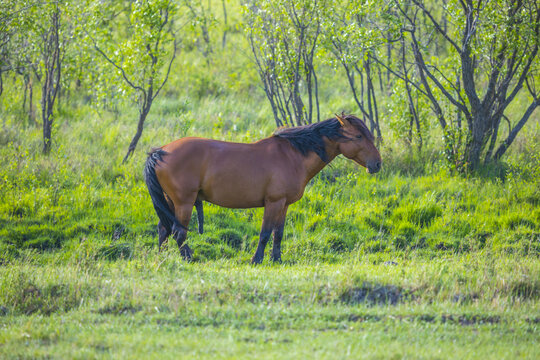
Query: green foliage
point(230, 237)
point(141, 51)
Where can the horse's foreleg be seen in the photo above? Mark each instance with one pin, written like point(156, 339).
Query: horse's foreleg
point(266, 232)
point(278, 235)
point(183, 215)
point(273, 212)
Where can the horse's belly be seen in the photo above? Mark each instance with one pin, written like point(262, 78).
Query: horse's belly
point(235, 204)
point(231, 198)
point(234, 191)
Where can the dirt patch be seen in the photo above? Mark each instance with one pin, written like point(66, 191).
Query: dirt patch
point(471, 319)
point(463, 319)
point(119, 308)
point(374, 294)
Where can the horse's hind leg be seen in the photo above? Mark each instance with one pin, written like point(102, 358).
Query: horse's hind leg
point(182, 212)
point(278, 235)
point(164, 231)
point(163, 234)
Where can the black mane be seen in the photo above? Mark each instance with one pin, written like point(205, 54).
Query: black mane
point(310, 137)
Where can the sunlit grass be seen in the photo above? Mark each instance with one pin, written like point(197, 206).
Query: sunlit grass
point(415, 261)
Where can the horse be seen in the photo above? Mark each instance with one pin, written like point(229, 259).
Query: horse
point(270, 173)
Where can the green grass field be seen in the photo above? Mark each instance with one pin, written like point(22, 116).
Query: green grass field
point(155, 305)
point(415, 262)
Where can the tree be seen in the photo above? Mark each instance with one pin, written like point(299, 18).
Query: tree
point(51, 55)
point(6, 32)
point(39, 37)
point(139, 56)
point(352, 40)
point(19, 41)
point(202, 20)
point(283, 36)
point(492, 45)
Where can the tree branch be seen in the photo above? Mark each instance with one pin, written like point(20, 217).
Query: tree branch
point(168, 71)
point(436, 24)
point(96, 47)
point(512, 135)
point(420, 61)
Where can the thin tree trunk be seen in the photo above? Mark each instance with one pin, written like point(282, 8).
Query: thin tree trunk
point(224, 38)
point(25, 95)
point(51, 82)
point(316, 84)
point(375, 107)
point(140, 127)
point(31, 107)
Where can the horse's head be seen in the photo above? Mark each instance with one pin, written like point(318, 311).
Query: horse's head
point(357, 143)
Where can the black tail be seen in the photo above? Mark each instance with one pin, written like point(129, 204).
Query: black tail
point(156, 191)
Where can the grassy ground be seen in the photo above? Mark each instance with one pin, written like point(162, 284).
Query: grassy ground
point(155, 305)
point(415, 262)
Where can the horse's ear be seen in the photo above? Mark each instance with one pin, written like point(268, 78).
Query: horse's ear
point(342, 120)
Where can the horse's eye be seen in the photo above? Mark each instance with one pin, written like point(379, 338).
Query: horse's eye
point(359, 136)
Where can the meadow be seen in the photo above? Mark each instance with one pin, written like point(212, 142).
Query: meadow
point(413, 262)
point(419, 261)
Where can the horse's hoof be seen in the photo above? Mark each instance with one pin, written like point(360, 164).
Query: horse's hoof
point(276, 260)
point(186, 253)
point(256, 261)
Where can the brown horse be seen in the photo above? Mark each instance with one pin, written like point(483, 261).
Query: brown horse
point(270, 173)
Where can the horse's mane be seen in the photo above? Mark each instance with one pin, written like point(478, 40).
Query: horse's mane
point(310, 137)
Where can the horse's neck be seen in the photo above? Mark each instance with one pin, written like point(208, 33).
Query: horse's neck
point(314, 164)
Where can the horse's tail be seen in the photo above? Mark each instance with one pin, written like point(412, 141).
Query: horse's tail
point(156, 191)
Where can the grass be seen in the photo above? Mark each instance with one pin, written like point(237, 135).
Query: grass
point(155, 304)
point(414, 262)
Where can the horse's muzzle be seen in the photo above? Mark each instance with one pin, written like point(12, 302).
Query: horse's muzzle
point(374, 167)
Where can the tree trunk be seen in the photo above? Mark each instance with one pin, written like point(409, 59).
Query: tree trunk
point(47, 129)
point(224, 39)
point(476, 143)
point(51, 82)
point(140, 127)
point(31, 107)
